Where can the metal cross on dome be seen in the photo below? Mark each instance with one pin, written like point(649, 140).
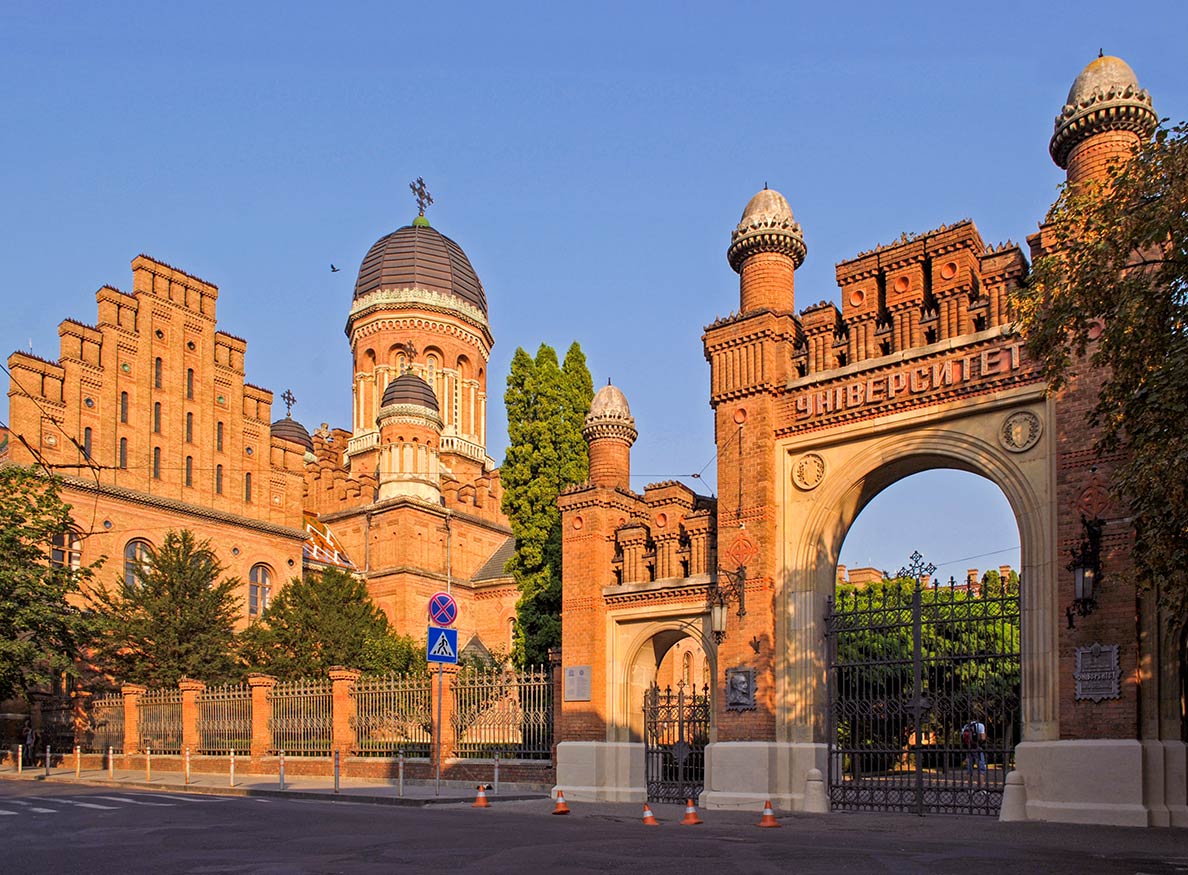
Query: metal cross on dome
point(916, 568)
point(290, 399)
point(424, 199)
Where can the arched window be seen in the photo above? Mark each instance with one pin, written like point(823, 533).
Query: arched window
point(687, 668)
point(218, 479)
point(247, 487)
point(136, 562)
point(189, 382)
point(156, 463)
point(511, 633)
point(123, 453)
point(66, 550)
point(189, 470)
point(189, 428)
point(157, 417)
point(259, 589)
point(158, 372)
point(87, 442)
point(123, 407)
point(219, 437)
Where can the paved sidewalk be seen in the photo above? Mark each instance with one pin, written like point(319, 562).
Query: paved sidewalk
point(373, 791)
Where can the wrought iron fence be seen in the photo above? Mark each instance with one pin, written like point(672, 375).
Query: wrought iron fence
point(57, 722)
point(393, 715)
point(301, 721)
point(505, 712)
point(105, 725)
point(161, 721)
point(676, 731)
point(225, 720)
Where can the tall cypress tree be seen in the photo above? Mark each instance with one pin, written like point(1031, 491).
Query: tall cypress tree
point(546, 405)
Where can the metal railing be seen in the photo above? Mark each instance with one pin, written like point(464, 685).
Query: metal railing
point(302, 722)
point(161, 721)
point(393, 715)
point(505, 711)
point(225, 720)
point(57, 722)
point(105, 725)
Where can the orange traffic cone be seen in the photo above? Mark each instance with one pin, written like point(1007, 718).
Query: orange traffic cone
point(561, 807)
point(649, 818)
point(691, 818)
point(768, 818)
point(480, 801)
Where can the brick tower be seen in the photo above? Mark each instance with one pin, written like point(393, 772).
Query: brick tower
point(609, 429)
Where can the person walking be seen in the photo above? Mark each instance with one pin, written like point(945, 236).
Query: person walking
point(973, 739)
point(29, 740)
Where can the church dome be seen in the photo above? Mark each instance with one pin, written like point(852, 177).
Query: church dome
point(418, 256)
point(289, 429)
point(767, 225)
point(609, 403)
point(1104, 97)
point(408, 388)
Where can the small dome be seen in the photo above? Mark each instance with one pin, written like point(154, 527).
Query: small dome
point(418, 256)
point(767, 225)
point(408, 388)
point(1104, 97)
point(289, 429)
point(610, 402)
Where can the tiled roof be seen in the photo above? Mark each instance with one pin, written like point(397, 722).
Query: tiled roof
point(493, 568)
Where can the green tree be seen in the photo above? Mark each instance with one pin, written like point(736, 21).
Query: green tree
point(401, 654)
point(178, 621)
point(1109, 301)
point(315, 622)
point(41, 626)
point(546, 406)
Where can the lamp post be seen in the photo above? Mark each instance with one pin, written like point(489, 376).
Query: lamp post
point(721, 593)
point(1085, 565)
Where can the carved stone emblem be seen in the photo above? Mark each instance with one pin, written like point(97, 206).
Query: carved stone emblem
point(740, 689)
point(809, 471)
point(1020, 431)
point(1098, 674)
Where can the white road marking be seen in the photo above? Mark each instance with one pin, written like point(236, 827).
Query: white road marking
point(3, 812)
point(76, 802)
point(198, 799)
point(136, 801)
point(44, 810)
point(16, 802)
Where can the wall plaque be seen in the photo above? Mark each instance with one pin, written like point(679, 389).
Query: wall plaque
point(577, 683)
point(740, 689)
point(1098, 674)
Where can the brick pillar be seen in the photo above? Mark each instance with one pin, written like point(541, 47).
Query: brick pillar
point(446, 700)
point(343, 708)
point(261, 685)
point(132, 694)
point(190, 689)
point(558, 694)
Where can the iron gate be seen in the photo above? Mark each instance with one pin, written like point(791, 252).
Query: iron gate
point(676, 730)
point(909, 669)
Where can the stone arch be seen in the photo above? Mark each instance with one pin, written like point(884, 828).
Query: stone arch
point(645, 644)
point(816, 523)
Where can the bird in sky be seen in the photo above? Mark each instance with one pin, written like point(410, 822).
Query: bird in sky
point(333, 269)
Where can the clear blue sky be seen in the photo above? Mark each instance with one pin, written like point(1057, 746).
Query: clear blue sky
point(591, 159)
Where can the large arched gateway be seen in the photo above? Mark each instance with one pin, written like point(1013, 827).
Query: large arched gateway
point(816, 412)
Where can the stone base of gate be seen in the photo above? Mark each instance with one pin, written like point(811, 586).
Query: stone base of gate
point(745, 774)
point(1107, 781)
point(601, 771)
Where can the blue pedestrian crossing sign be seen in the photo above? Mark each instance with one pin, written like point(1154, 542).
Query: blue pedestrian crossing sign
point(443, 645)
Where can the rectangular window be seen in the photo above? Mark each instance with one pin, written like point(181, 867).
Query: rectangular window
point(87, 443)
point(123, 407)
point(189, 470)
point(189, 428)
point(218, 479)
point(123, 461)
point(190, 383)
point(247, 488)
point(158, 373)
point(157, 417)
point(219, 437)
point(156, 463)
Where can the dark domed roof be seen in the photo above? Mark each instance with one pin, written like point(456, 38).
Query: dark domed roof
point(289, 429)
point(418, 256)
point(408, 388)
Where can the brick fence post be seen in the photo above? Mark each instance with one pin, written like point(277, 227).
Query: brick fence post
point(558, 693)
point(444, 739)
point(190, 689)
point(342, 705)
point(261, 685)
point(132, 694)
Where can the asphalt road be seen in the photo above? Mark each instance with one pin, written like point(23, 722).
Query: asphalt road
point(63, 829)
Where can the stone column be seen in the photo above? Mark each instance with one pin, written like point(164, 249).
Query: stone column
point(261, 685)
point(190, 689)
point(132, 694)
point(342, 704)
point(443, 697)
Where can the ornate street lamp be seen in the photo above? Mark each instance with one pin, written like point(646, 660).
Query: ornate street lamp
point(721, 593)
point(1086, 568)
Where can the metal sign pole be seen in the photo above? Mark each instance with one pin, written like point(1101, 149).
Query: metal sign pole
point(438, 733)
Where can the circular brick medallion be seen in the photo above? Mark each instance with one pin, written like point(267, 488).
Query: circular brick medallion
point(902, 284)
point(949, 271)
point(809, 471)
point(857, 298)
point(1020, 431)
